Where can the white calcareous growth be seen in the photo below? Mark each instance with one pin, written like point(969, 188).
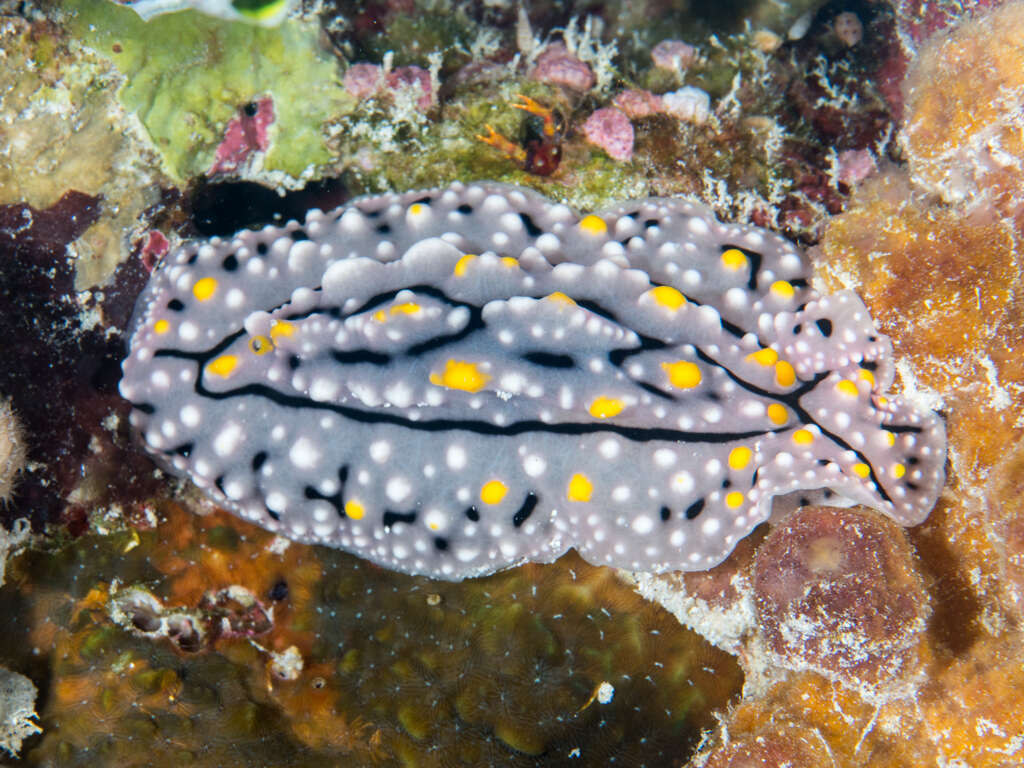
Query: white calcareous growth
point(457, 381)
point(17, 711)
point(690, 104)
point(12, 450)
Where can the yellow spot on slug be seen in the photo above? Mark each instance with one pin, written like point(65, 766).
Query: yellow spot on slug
point(509, 261)
point(561, 298)
point(734, 259)
point(667, 296)
point(740, 456)
point(778, 414)
point(860, 469)
point(281, 329)
point(458, 374)
point(606, 407)
point(580, 488)
point(223, 366)
point(493, 492)
point(847, 387)
point(260, 345)
point(765, 357)
point(883, 401)
point(733, 499)
point(867, 376)
point(161, 326)
point(205, 288)
point(784, 374)
point(406, 308)
point(803, 437)
point(890, 438)
point(783, 289)
point(593, 225)
point(417, 209)
point(463, 264)
point(354, 510)
point(682, 374)
point(898, 471)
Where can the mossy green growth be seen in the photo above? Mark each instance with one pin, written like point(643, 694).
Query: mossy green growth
point(187, 75)
point(412, 37)
point(377, 148)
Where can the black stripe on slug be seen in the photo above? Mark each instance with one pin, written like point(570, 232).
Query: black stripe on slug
point(549, 359)
point(391, 517)
point(525, 510)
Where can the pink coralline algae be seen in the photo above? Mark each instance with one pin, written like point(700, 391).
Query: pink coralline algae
point(412, 78)
point(363, 80)
point(610, 129)
point(855, 165)
point(246, 133)
point(637, 102)
point(155, 246)
point(557, 66)
point(673, 55)
point(838, 591)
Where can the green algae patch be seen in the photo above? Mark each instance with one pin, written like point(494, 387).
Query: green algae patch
point(376, 143)
point(187, 75)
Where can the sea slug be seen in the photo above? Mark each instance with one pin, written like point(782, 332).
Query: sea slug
point(456, 381)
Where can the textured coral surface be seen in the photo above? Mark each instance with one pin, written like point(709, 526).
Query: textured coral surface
point(394, 670)
point(160, 631)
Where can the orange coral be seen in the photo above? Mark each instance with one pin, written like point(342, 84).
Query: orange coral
point(970, 712)
point(946, 285)
point(963, 136)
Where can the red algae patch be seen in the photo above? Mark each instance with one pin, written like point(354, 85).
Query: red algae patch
point(837, 591)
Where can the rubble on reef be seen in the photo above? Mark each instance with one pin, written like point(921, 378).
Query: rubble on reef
point(885, 136)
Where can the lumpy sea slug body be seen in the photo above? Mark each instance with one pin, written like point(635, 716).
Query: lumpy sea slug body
point(456, 381)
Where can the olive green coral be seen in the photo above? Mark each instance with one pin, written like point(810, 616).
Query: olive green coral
point(187, 75)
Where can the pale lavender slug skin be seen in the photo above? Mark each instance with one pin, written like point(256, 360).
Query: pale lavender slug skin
point(457, 381)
